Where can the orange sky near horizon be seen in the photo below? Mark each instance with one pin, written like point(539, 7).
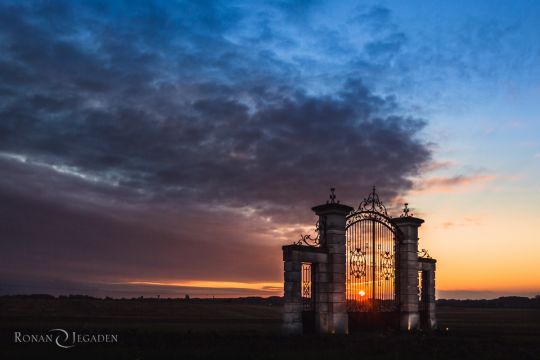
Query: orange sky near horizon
point(479, 244)
point(483, 237)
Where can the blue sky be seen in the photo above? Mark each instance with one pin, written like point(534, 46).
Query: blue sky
point(471, 68)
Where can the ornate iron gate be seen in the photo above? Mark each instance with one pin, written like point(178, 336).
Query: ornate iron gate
point(307, 287)
point(372, 252)
point(308, 301)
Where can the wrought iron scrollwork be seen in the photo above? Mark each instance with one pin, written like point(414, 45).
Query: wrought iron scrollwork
point(406, 211)
point(373, 204)
point(424, 254)
point(357, 216)
point(320, 226)
point(357, 262)
point(387, 265)
point(307, 291)
point(307, 240)
point(371, 208)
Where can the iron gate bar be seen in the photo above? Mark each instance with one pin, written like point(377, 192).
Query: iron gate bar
point(373, 250)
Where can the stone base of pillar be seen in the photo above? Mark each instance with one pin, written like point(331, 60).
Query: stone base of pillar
point(341, 323)
point(432, 320)
point(292, 328)
point(409, 321)
point(292, 323)
point(332, 323)
point(322, 323)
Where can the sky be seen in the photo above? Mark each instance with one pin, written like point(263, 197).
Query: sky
point(173, 147)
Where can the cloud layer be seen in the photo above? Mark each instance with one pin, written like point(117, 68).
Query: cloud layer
point(117, 120)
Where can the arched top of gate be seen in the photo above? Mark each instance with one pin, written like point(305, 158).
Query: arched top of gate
point(373, 203)
point(372, 208)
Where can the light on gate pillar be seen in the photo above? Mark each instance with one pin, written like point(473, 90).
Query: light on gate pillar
point(331, 316)
point(408, 270)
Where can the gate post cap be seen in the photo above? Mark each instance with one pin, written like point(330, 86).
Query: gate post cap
point(335, 208)
point(408, 220)
point(332, 206)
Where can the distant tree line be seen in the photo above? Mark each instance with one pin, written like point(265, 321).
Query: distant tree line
point(501, 302)
point(254, 300)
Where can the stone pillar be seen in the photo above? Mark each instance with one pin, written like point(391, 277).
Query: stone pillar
point(292, 307)
point(429, 283)
point(408, 272)
point(331, 310)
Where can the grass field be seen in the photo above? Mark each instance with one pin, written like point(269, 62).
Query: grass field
point(175, 329)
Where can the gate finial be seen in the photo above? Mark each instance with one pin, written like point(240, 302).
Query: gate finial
point(406, 211)
point(332, 197)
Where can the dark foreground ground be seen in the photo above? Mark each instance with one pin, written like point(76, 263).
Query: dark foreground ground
point(179, 330)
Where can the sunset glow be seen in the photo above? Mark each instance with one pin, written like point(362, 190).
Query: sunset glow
point(271, 288)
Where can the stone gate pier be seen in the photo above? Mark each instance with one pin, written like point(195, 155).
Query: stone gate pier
point(361, 270)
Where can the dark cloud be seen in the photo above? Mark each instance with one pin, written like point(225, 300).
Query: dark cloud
point(160, 107)
point(47, 238)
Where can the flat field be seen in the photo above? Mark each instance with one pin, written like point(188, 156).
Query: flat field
point(150, 329)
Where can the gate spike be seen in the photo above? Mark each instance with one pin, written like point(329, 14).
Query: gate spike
point(332, 197)
point(406, 211)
